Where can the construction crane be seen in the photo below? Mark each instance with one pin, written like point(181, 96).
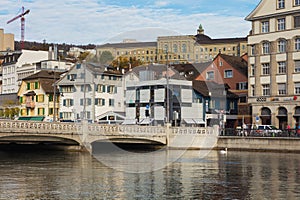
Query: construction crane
point(22, 24)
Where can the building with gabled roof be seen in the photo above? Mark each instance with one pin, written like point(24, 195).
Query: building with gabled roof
point(38, 98)
point(92, 92)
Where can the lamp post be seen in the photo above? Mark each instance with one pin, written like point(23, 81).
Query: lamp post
point(167, 82)
point(54, 97)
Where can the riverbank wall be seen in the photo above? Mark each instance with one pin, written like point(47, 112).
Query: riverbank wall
point(275, 144)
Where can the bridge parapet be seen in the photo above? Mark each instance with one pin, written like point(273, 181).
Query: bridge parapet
point(38, 127)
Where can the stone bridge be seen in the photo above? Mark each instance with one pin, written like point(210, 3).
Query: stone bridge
point(84, 135)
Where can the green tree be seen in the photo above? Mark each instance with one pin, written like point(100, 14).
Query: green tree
point(106, 57)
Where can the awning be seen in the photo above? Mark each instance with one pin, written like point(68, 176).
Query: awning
point(146, 121)
point(129, 121)
point(30, 93)
point(189, 121)
point(199, 121)
point(31, 118)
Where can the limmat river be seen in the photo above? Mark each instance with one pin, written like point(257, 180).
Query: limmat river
point(35, 173)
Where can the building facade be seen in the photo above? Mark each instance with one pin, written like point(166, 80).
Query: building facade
point(151, 98)
point(197, 48)
point(92, 92)
point(7, 41)
point(274, 63)
point(36, 97)
point(143, 51)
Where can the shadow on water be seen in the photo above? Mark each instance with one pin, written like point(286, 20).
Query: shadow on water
point(103, 147)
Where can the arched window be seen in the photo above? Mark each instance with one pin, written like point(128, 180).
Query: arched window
point(183, 48)
point(175, 48)
point(282, 111)
point(297, 44)
point(282, 46)
point(266, 47)
point(265, 112)
point(166, 48)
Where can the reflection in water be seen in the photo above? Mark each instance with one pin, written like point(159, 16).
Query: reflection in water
point(50, 174)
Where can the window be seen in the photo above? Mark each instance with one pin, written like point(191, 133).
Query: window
point(282, 46)
point(266, 89)
point(39, 98)
point(297, 66)
point(265, 27)
point(281, 24)
point(183, 48)
point(99, 102)
point(265, 68)
point(280, 4)
point(297, 2)
point(166, 48)
point(175, 48)
point(68, 102)
point(242, 86)
point(252, 70)
point(228, 74)
point(41, 111)
point(111, 102)
point(252, 50)
point(281, 67)
point(252, 90)
point(210, 75)
point(297, 44)
point(281, 88)
point(297, 21)
point(266, 48)
point(297, 88)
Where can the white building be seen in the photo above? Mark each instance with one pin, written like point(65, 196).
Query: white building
point(15, 60)
point(147, 94)
point(92, 92)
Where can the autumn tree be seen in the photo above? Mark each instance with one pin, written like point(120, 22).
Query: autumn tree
point(106, 57)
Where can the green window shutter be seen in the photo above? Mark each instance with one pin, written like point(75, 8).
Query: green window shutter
point(43, 111)
point(37, 98)
point(21, 99)
point(36, 85)
point(28, 86)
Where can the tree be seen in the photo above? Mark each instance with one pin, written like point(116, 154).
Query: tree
point(106, 57)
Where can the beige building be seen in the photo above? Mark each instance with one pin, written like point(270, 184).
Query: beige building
point(144, 51)
point(7, 41)
point(274, 62)
point(197, 48)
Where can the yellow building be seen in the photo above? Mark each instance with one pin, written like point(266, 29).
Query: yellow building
point(7, 41)
point(36, 96)
point(197, 48)
point(143, 51)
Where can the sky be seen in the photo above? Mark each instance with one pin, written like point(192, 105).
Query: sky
point(101, 21)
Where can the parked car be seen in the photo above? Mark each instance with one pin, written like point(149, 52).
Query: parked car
point(268, 130)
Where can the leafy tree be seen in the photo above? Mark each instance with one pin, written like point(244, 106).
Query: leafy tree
point(106, 57)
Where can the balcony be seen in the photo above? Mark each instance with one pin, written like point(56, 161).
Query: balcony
point(30, 104)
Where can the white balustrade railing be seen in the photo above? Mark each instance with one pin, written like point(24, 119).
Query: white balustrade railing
point(96, 129)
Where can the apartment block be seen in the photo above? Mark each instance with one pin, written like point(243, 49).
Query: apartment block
point(274, 63)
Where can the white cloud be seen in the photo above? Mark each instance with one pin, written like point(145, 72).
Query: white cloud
point(87, 21)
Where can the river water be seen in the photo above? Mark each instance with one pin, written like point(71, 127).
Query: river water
point(33, 173)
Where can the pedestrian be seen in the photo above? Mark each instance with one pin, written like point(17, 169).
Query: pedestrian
point(288, 130)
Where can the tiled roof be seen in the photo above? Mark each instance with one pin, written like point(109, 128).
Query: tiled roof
point(128, 45)
point(44, 74)
point(210, 88)
point(236, 62)
point(204, 39)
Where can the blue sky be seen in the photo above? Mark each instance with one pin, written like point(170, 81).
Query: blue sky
point(101, 21)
